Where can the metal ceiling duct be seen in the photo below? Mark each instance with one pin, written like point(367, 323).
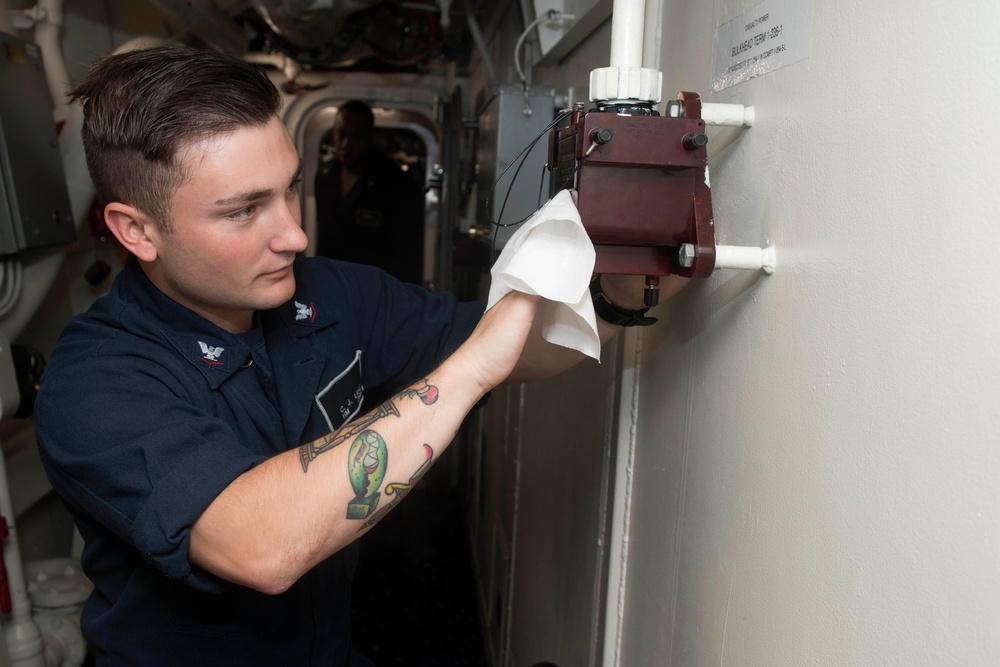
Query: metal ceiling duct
point(308, 24)
point(207, 21)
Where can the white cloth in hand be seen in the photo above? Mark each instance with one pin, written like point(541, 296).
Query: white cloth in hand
point(552, 256)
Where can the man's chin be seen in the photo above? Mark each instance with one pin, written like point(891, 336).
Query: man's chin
point(278, 295)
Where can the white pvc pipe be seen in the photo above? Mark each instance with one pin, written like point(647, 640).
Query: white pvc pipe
point(750, 257)
point(730, 115)
point(24, 642)
point(47, 35)
point(627, 20)
point(288, 66)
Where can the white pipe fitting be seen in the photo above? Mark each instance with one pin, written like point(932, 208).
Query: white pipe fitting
point(749, 258)
point(288, 66)
point(730, 115)
point(445, 7)
point(626, 79)
point(64, 644)
point(628, 84)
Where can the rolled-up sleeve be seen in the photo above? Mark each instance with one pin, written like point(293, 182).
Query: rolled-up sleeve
point(137, 455)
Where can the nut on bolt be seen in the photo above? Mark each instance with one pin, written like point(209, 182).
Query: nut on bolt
point(601, 135)
point(686, 255)
point(695, 140)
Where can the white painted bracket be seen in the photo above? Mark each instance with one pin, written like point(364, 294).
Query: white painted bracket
point(750, 258)
point(729, 115)
point(746, 257)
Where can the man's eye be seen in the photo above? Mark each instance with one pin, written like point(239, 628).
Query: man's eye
point(243, 213)
point(294, 187)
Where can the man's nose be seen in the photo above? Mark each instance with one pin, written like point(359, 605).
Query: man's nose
point(290, 236)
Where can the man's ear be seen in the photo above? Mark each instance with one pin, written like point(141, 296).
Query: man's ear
point(135, 230)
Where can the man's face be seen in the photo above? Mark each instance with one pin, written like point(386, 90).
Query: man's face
point(236, 226)
point(351, 137)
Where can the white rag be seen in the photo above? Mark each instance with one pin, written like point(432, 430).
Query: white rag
point(552, 256)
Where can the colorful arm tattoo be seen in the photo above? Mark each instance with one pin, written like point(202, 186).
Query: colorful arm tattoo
point(311, 450)
point(368, 460)
point(400, 489)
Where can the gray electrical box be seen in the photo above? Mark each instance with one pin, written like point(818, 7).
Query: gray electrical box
point(514, 119)
point(34, 202)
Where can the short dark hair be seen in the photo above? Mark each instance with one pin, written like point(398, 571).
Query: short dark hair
point(360, 109)
point(141, 107)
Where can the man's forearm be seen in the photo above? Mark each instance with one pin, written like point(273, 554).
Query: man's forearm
point(278, 520)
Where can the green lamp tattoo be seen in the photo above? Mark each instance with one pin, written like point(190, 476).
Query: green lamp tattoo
point(367, 462)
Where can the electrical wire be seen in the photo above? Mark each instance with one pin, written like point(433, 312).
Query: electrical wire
point(520, 159)
point(12, 273)
point(550, 15)
point(4, 282)
point(541, 183)
point(522, 156)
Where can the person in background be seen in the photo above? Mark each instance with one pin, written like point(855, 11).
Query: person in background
point(368, 210)
point(231, 417)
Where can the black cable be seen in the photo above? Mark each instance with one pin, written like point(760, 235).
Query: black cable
point(541, 182)
point(520, 159)
point(522, 156)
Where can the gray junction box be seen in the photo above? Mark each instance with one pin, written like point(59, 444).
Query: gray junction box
point(505, 129)
point(34, 201)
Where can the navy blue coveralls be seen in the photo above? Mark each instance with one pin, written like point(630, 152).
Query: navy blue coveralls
point(380, 221)
point(147, 412)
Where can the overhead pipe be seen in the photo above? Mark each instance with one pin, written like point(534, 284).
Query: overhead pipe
point(289, 66)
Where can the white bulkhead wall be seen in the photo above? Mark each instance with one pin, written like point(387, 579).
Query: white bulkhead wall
point(817, 452)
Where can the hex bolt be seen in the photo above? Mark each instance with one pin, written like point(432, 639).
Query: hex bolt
point(686, 255)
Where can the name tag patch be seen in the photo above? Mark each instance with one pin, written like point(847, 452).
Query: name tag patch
point(340, 401)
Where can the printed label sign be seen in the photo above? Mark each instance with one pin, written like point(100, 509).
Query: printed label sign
point(770, 36)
